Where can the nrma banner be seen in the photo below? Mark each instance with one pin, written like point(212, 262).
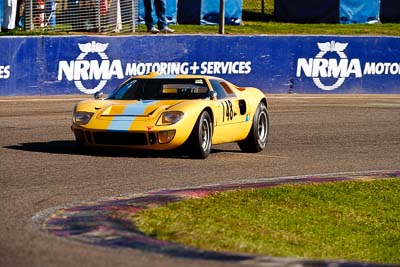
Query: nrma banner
point(347, 65)
point(275, 64)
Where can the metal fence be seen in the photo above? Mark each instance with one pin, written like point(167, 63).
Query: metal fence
point(81, 15)
point(258, 9)
point(105, 15)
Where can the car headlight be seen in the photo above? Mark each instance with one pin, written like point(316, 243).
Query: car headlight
point(82, 117)
point(170, 117)
point(164, 137)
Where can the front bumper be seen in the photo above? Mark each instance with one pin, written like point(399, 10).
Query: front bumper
point(155, 140)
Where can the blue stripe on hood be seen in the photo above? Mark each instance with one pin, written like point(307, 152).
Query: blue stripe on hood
point(123, 121)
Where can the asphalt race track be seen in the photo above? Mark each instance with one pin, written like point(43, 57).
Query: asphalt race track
point(40, 167)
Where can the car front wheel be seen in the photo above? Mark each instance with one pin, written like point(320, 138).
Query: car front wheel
point(201, 137)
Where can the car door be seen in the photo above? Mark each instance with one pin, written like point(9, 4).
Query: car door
point(230, 117)
point(228, 104)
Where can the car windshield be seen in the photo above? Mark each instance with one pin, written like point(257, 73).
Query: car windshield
point(161, 89)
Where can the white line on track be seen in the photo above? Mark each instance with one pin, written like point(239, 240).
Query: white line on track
point(254, 155)
point(333, 96)
point(272, 96)
point(41, 99)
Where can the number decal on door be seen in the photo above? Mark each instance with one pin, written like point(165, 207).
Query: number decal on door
point(227, 110)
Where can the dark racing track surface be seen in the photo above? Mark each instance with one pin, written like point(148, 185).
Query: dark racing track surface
point(40, 167)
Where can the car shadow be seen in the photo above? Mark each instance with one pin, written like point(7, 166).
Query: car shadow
point(53, 147)
point(68, 147)
point(233, 151)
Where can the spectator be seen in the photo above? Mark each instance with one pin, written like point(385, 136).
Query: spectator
point(51, 9)
point(19, 19)
point(160, 7)
point(115, 15)
point(10, 12)
point(38, 13)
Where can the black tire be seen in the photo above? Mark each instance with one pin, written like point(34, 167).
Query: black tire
point(257, 138)
point(200, 139)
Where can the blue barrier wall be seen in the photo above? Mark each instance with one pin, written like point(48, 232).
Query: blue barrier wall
point(276, 64)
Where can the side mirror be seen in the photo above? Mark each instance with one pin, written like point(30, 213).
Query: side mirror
point(98, 95)
point(212, 95)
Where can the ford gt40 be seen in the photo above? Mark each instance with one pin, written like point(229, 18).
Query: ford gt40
point(163, 112)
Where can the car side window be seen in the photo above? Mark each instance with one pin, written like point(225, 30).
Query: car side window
point(222, 89)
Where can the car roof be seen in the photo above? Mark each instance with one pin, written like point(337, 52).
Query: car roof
point(155, 75)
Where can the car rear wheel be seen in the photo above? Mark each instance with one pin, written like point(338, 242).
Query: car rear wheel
point(257, 138)
point(201, 137)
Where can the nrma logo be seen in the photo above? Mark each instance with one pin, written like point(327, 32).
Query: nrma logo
point(91, 69)
point(330, 67)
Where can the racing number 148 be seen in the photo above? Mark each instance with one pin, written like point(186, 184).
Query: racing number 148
point(227, 110)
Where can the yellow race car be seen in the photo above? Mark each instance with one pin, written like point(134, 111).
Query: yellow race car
point(164, 112)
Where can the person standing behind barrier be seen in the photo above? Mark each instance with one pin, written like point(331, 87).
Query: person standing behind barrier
point(160, 7)
point(19, 19)
point(10, 12)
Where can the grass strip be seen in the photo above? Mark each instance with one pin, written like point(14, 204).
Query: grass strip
point(278, 28)
point(348, 220)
